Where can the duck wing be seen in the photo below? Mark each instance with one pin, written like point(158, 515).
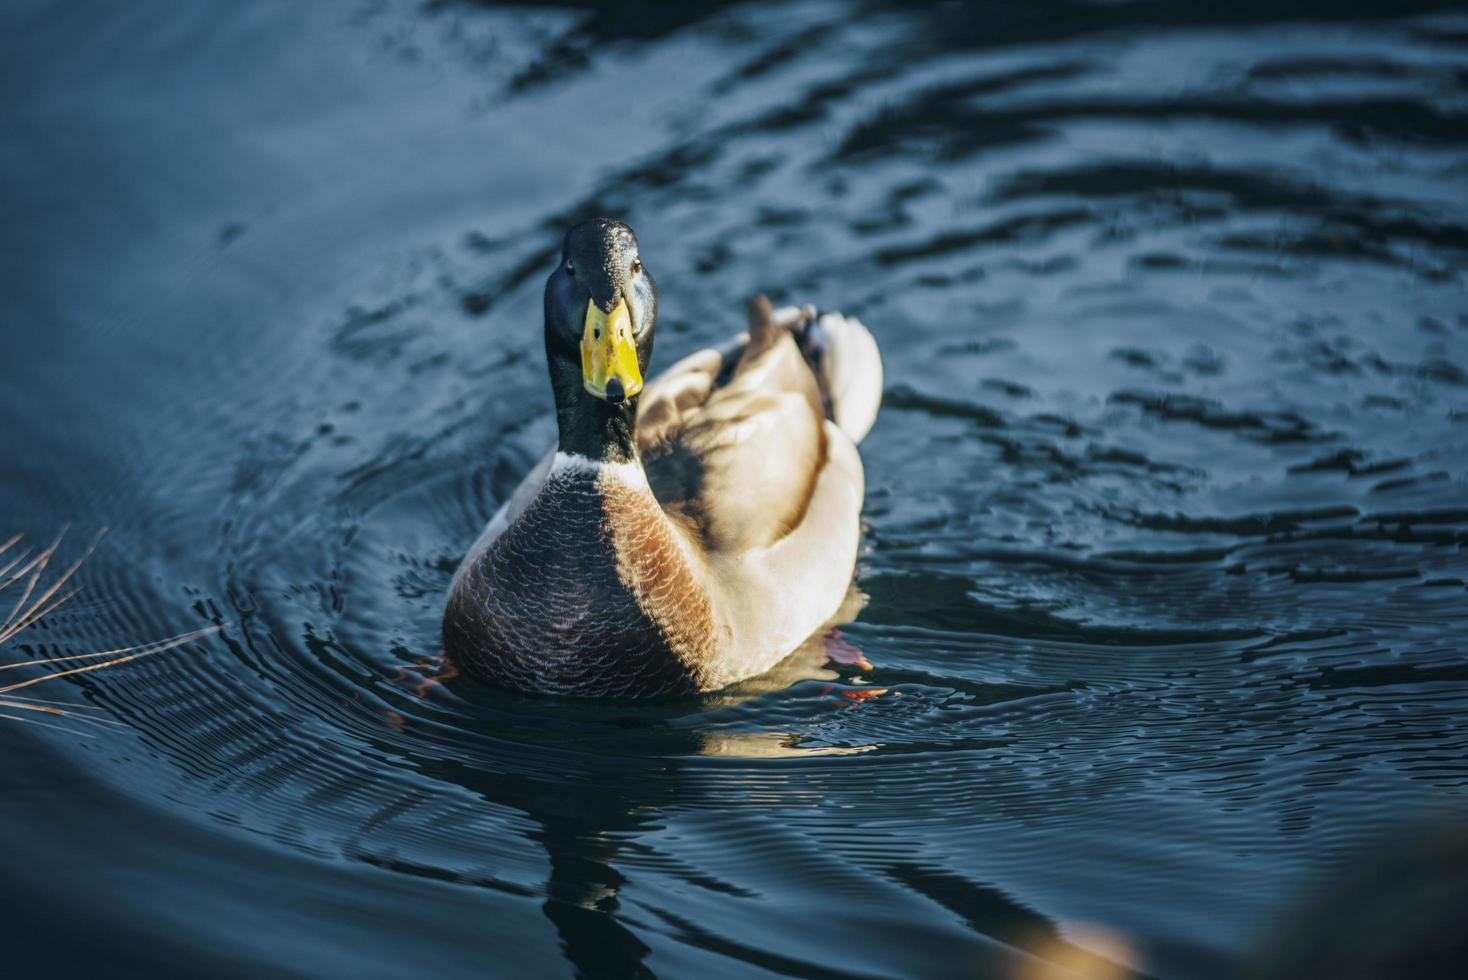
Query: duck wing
point(736, 441)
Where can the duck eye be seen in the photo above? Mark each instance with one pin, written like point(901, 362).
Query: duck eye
point(636, 266)
point(570, 268)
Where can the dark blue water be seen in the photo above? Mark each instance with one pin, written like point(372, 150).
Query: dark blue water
point(1166, 506)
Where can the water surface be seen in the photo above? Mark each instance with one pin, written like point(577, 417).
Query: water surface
point(1165, 517)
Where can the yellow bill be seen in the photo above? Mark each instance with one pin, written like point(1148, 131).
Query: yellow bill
point(609, 367)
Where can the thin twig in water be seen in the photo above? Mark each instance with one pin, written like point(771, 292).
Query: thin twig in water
point(27, 612)
point(17, 620)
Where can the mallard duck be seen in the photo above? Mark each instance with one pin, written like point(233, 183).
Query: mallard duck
point(685, 534)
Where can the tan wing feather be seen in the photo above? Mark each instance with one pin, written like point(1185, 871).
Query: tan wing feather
point(738, 461)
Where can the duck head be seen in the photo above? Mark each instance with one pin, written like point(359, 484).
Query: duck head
point(600, 306)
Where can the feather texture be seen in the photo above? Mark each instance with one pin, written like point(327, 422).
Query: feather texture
point(729, 541)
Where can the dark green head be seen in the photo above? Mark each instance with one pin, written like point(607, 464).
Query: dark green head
point(600, 306)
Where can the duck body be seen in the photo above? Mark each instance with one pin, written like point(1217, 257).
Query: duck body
point(684, 536)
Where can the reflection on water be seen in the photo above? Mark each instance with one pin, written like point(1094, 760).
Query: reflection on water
point(1165, 513)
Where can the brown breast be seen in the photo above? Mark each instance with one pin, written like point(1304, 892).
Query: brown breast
point(585, 595)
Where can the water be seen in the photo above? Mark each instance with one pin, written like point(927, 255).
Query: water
point(1165, 517)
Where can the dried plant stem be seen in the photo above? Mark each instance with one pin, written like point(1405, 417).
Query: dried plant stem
point(28, 611)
